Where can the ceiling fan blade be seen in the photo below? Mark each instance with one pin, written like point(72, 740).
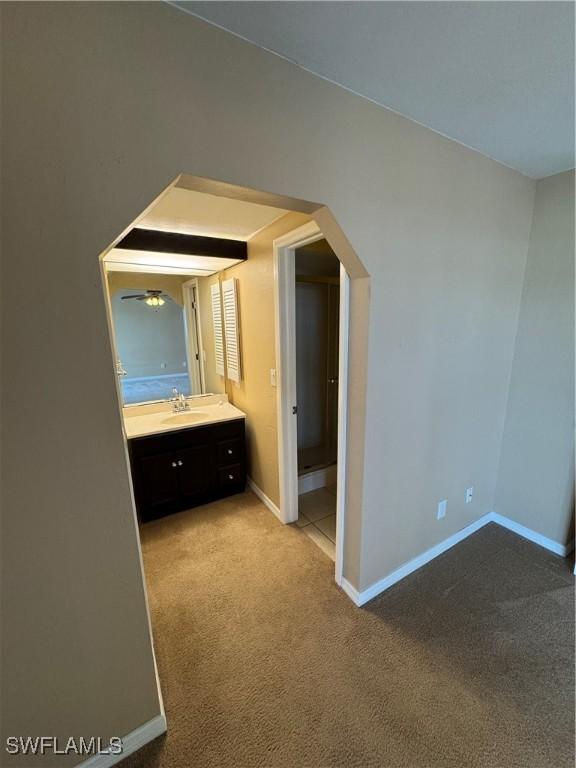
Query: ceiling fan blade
point(150, 294)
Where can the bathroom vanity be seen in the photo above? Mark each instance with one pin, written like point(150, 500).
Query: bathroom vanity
point(181, 460)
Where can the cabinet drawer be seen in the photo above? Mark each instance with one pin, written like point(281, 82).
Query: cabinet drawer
point(170, 441)
point(229, 430)
point(230, 452)
point(230, 475)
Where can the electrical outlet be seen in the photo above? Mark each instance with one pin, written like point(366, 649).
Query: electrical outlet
point(441, 509)
point(469, 494)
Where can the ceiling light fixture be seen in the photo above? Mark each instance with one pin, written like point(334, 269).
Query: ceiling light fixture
point(155, 301)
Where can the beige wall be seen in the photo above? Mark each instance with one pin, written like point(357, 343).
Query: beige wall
point(254, 394)
point(93, 129)
point(536, 477)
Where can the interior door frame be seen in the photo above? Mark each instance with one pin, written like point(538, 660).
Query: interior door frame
point(193, 327)
point(285, 335)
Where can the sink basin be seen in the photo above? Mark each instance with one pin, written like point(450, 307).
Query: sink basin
point(190, 417)
point(152, 422)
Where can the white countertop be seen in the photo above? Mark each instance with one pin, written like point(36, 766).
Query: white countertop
point(149, 422)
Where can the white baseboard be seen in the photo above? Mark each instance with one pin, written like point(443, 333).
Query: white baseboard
point(263, 498)
point(352, 592)
point(320, 478)
point(132, 742)
point(527, 533)
point(360, 597)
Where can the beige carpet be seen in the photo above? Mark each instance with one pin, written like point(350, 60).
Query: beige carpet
point(264, 662)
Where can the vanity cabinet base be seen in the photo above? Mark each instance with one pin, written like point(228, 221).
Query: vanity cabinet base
point(181, 469)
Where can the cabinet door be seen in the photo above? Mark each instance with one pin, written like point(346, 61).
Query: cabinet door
point(196, 471)
point(157, 480)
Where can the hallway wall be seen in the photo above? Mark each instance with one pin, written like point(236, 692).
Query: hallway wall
point(536, 476)
point(93, 129)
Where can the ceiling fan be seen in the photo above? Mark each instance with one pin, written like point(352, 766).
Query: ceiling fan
point(153, 298)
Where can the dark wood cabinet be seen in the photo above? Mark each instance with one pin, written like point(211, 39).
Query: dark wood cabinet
point(177, 470)
point(158, 479)
point(195, 474)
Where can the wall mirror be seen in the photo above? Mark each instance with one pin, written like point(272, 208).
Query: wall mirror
point(164, 335)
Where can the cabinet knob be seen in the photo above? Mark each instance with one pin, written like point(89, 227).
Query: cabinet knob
point(230, 451)
point(230, 477)
point(180, 463)
point(174, 464)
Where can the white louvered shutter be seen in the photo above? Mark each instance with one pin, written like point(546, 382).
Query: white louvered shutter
point(231, 329)
point(218, 331)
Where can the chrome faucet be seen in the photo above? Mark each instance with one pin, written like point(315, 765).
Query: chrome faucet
point(178, 401)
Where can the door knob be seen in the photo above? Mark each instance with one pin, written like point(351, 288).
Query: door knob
point(180, 463)
point(230, 451)
point(174, 464)
point(230, 477)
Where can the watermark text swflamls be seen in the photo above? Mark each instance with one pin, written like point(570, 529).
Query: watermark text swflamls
point(53, 745)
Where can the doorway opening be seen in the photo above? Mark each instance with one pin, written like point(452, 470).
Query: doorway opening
point(317, 340)
point(317, 318)
point(312, 299)
point(221, 261)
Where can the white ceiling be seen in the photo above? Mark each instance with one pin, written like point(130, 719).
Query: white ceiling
point(155, 263)
point(193, 213)
point(196, 213)
point(495, 76)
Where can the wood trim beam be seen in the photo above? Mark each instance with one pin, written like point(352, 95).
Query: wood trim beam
point(189, 245)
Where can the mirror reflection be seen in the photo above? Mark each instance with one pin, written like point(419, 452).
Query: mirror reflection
point(163, 336)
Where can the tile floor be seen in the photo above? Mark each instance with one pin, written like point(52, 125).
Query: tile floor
point(317, 518)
